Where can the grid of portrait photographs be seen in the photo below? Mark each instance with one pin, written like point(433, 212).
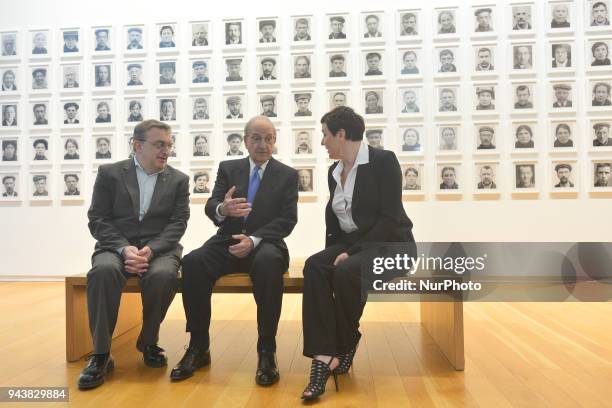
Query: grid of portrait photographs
point(487, 99)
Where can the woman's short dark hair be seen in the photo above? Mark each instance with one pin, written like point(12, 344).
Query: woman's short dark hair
point(345, 118)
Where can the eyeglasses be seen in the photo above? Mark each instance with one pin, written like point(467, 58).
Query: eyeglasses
point(161, 145)
point(258, 139)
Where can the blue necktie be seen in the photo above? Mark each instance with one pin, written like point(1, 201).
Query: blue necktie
point(253, 185)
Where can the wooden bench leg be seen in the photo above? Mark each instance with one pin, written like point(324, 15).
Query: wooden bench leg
point(444, 323)
point(78, 338)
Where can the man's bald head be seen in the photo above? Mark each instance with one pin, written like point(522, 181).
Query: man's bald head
point(258, 120)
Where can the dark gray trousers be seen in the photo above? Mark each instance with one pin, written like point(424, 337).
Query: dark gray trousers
point(105, 281)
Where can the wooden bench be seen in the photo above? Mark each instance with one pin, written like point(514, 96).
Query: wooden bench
point(443, 320)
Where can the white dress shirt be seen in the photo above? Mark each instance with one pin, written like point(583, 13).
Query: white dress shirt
point(262, 168)
point(343, 196)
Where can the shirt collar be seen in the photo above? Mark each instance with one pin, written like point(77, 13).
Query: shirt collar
point(142, 168)
point(363, 157)
point(253, 164)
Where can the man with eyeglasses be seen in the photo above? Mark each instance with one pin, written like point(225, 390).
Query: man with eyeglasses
point(139, 212)
point(254, 204)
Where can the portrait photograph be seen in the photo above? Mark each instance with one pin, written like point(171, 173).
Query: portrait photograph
point(201, 182)
point(235, 70)
point(10, 151)
point(234, 33)
point(268, 104)
point(448, 138)
point(411, 140)
point(409, 63)
point(40, 149)
point(11, 187)
point(372, 26)
point(135, 77)
point(339, 65)
point(598, 94)
point(599, 133)
point(484, 59)
point(267, 32)
point(302, 106)
point(302, 29)
point(560, 56)
point(102, 147)
point(373, 64)
point(447, 99)
point(134, 42)
point(166, 73)
point(484, 99)
point(268, 68)
point(71, 78)
point(562, 136)
point(523, 97)
point(484, 20)
point(103, 76)
point(561, 16)
point(410, 101)
point(302, 66)
point(102, 40)
point(449, 177)
point(10, 115)
point(601, 179)
point(201, 145)
point(235, 106)
point(9, 45)
point(134, 111)
point(562, 96)
point(412, 178)
point(522, 18)
point(71, 184)
point(40, 114)
point(597, 53)
point(201, 108)
point(485, 138)
point(200, 34)
point(446, 61)
point(375, 137)
point(39, 79)
point(167, 37)
point(70, 113)
point(524, 136)
point(524, 176)
point(338, 26)
point(10, 80)
point(564, 175)
point(176, 142)
point(445, 23)
point(167, 108)
point(523, 58)
point(40, 186)
point(597, 15)
point(71, 148)
point(70, 42)
point(305, 179)
point(338, 97)
point(234, 143)
point(486, 178)
point(40, 44)
point(302, 142)
point(102, 112)
point(373, 101)
point(199, 72)
point(408, 27)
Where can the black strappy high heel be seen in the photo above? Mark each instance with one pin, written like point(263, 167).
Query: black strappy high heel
point(346, 361)
point(319, 374)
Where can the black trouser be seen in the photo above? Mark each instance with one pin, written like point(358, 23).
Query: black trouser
point(332, 304)
point(266, 265)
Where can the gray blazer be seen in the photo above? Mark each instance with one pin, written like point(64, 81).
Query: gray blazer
point(115, 204)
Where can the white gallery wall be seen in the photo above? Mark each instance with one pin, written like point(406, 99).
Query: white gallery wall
point(46, 237)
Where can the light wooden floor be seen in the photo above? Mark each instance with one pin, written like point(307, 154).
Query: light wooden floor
point(517, 355)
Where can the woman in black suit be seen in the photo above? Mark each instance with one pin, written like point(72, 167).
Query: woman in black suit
point(365, 206)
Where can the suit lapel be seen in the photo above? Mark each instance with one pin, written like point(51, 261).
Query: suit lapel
point(267, 182)
point(131, 184)
point(161, 186)
point(242, 178)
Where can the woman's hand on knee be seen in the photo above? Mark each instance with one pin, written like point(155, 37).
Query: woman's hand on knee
point(341, 258)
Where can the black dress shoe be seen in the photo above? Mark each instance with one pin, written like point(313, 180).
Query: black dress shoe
point(153, 356)
point(193, 359)
point(97, 367)
point(267, 370)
